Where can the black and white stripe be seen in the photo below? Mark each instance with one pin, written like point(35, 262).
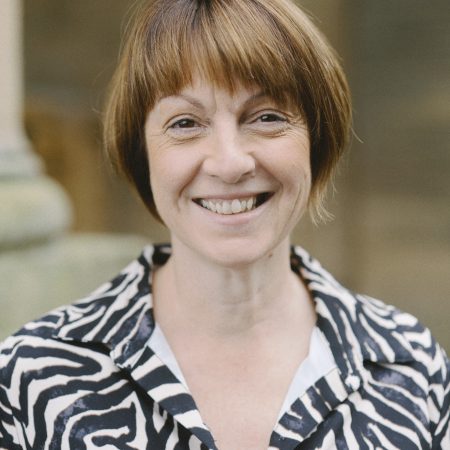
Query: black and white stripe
point(82, 377)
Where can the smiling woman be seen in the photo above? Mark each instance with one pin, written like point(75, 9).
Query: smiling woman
point(229, 117)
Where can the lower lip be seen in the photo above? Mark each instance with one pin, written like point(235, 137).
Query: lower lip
point(236, 219)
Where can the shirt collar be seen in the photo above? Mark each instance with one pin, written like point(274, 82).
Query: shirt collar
point(119, 313)
point(119, 316)
point(361, 326)
point(343, 318)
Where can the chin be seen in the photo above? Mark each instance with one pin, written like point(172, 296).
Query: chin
point(237, 254)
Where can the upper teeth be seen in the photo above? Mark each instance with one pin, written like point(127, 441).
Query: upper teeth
point(234, 206)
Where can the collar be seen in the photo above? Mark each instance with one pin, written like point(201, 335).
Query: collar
point(119, 316)
point(119, 313)
point(358, 327)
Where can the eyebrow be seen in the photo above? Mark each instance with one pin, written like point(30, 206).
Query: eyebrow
point(191, 100)
point(256, 97)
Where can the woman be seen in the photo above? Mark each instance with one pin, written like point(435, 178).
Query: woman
point(229, 117)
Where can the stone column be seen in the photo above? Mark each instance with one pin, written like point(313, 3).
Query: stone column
point(41, 265)
point(32, 206)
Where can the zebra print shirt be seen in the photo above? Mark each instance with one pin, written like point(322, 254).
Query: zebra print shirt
point(82, 377)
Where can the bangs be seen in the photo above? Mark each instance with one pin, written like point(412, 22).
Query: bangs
point(226, 43)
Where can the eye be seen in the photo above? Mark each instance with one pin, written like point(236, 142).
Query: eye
point(184, 123)
point(185, 127)
point(271, 117)
point(268, 122)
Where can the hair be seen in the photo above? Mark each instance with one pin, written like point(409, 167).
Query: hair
point(269, 43)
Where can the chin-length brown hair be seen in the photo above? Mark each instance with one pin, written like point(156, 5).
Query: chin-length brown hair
point(268, 43)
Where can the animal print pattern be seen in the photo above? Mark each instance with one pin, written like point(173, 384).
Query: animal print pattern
point(82, 377)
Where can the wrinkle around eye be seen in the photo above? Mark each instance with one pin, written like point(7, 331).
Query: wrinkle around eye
point(270, 128)
point(184, 126)
point(180, 134)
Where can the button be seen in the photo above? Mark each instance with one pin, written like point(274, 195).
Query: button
point(353, 382)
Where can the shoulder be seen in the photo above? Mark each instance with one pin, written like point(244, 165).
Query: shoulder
point(36, 353)
point(36, 366)
point(76, 351)
point(402, 358)
point(379, 332)
point(392, 337)
point(79, 328)
point(398, 363)
point(392, 334)
point(67, 352)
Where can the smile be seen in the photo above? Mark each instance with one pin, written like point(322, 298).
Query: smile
point(234, 206)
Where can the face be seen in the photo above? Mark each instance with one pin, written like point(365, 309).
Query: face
point(230, 174)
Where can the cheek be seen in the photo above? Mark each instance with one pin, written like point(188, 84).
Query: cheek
point(299, 167)
point(171, 170)
point(164, 189)
point(161, 173)
point(290, 164)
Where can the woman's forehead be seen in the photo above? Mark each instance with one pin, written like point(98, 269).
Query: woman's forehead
point(201, 86)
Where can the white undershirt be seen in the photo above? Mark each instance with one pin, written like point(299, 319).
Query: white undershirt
point(319, 362)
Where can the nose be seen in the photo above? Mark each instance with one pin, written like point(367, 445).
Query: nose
point(229, 159)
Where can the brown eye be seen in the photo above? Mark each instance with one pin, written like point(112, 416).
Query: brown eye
point(271, 118)
point(184, 123)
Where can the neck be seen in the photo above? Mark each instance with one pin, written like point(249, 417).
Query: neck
point(229, 301)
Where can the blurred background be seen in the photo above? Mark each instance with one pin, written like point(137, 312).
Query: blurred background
point(391, 234)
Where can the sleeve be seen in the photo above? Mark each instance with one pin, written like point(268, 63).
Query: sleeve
point(9, 439)
point(439, 400)
point(8, 435)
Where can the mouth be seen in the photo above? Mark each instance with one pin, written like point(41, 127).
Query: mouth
point(234, 206)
